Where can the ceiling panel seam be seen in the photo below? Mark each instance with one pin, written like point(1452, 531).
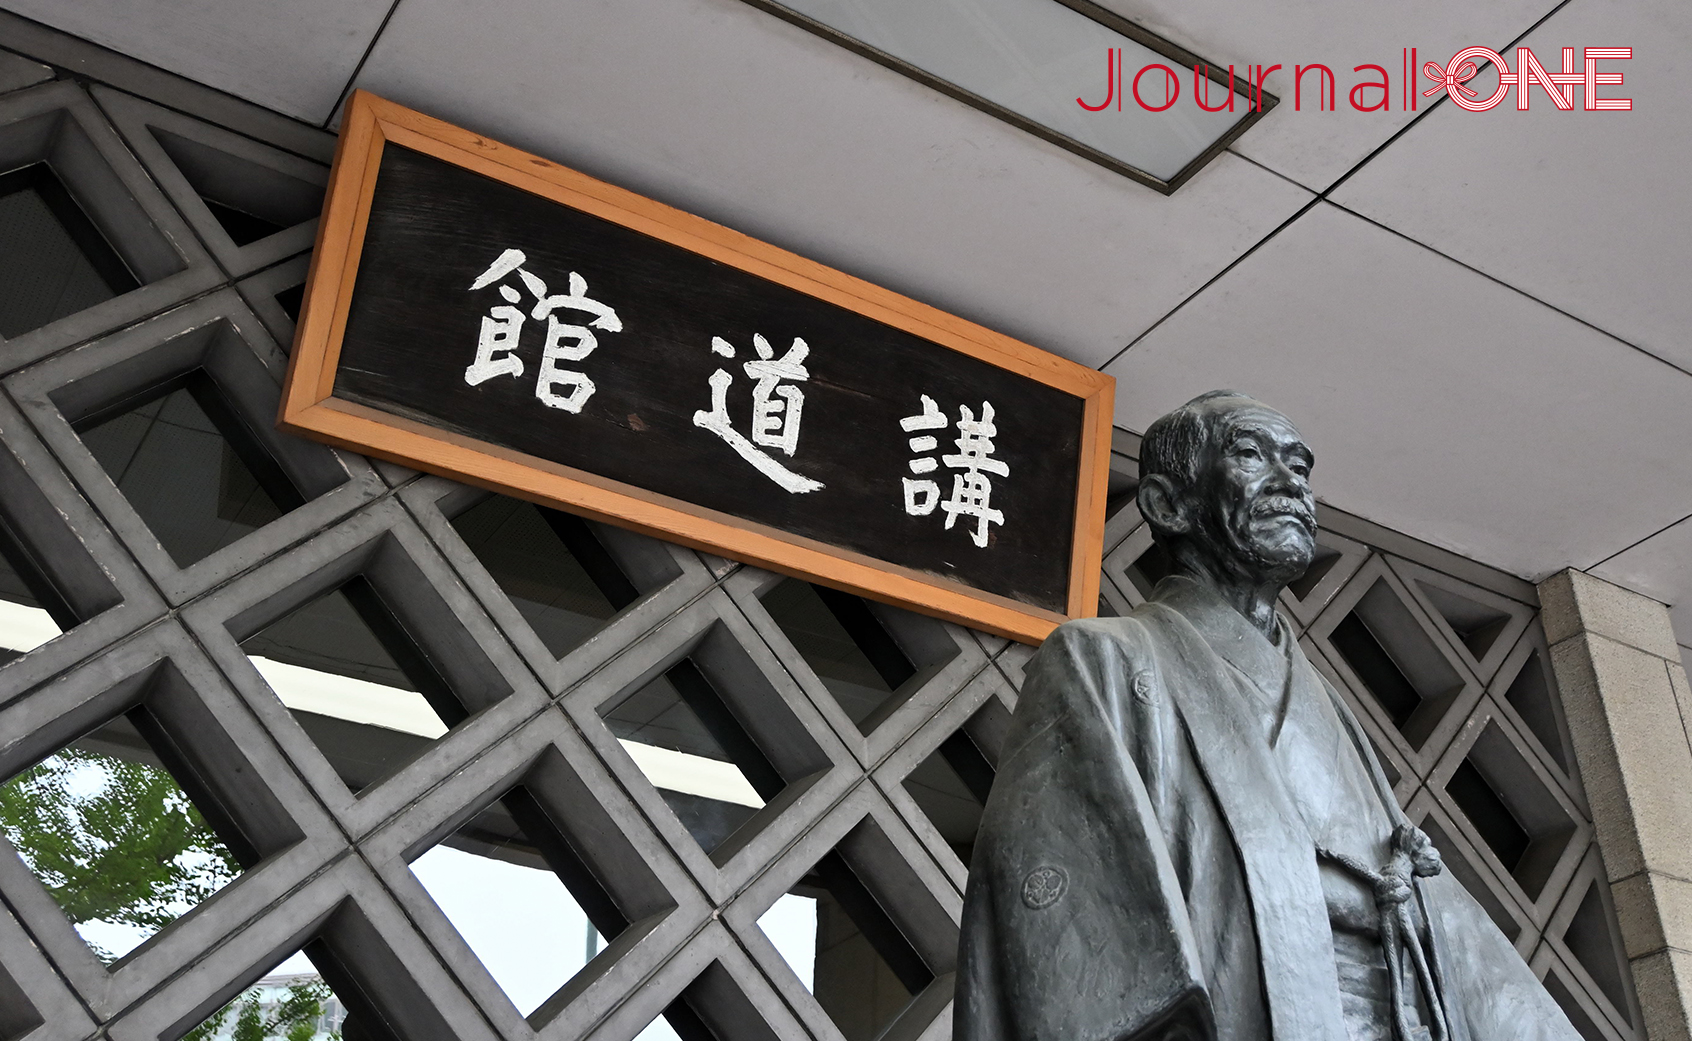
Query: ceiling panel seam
point(1378, 149)
point(1437, 102)
point(96, 63)
point(1637, 542)
point(1514, 289)
point(1322, 196)
point(1253, 248)
point(369, 48)
point(1295, 182)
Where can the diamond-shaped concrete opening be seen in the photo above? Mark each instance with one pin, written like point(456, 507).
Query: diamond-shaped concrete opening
point(1472, 880)
point(134, 824)
point(711, 1008)
point(552, 566)
point(291, 1002)
point(53, 260)
point(691, 747)
point(1529, 693)
point(18, 1017)
point(1511, 809)
point(73, 232)
point(870, 657)
point(115, 840)
point(866, 974)
point(184, 459)
point(1593, 938)
point(516, 915)
point(1391, 771)
point(714, 736)
point(356, 682)
point(1476, 624)
point(362, 991)
point(844, 645)
point(541, 887)
point(1150, 568)
point(881, 939)
point(1320, 564)
point(249, 200)
point(184, 427)
point(1571, 1007)
point(1397, 661)
point(292, 299)
point(31, 610)
point(952, 784)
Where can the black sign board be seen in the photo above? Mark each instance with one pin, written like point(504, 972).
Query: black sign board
point(481, 313)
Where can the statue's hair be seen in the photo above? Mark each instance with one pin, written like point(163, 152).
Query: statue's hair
point(1174, 443)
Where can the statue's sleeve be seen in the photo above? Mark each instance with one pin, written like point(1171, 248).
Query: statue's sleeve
point(1074, 924)
point(1487, 983)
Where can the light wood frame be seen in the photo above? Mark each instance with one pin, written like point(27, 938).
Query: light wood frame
point(310, 408)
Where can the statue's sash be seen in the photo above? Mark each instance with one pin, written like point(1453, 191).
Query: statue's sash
point(1456, 1025)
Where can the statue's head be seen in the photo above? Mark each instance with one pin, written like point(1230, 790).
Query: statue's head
point(1225, 486)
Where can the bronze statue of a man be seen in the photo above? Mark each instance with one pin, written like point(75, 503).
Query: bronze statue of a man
point(1189, 835)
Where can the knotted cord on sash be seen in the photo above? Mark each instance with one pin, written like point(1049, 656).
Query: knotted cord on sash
point(1413, 855)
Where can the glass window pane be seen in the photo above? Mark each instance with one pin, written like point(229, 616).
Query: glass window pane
point(186, 481)
point(365, 712)
point(810, 617)
point(524, 550)
point(24, 623)
point(53, 262)
point(684, 758)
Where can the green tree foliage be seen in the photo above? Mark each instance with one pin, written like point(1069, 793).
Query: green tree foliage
point(294, 1018)
point(117, 841)
point(113, 840)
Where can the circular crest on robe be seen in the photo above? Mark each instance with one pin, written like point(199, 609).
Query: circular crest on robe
point(1044, 886)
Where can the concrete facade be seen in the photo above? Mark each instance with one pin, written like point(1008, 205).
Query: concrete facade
point(1627, 699)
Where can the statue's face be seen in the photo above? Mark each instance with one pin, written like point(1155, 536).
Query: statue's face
point(1255, 506)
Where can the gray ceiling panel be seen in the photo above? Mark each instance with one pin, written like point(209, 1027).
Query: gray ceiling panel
point(293, 57)
point(1438, 403)
point(1587, 211)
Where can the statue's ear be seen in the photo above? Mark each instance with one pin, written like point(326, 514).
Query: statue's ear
point(1164, 506)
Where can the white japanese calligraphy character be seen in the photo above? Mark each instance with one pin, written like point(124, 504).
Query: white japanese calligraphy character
point(921, 496)
point(777, 408)
point(564, 342)
point(971, 490)
point(501, 326)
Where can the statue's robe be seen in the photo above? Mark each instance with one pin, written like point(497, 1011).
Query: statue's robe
point(1142, 870)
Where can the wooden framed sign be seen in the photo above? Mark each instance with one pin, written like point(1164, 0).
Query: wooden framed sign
point(482, 313)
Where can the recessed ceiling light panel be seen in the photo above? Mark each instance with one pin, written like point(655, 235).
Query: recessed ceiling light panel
point(1068, 71)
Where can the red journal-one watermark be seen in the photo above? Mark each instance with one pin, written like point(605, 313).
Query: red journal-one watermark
point(1157, 87)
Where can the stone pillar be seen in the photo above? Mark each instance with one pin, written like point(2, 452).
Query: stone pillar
point(1627, 701)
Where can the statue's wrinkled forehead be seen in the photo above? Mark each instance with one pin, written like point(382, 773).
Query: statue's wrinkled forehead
point(1231, 417)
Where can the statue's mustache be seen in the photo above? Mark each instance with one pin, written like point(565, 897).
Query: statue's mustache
point(1285, 506)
